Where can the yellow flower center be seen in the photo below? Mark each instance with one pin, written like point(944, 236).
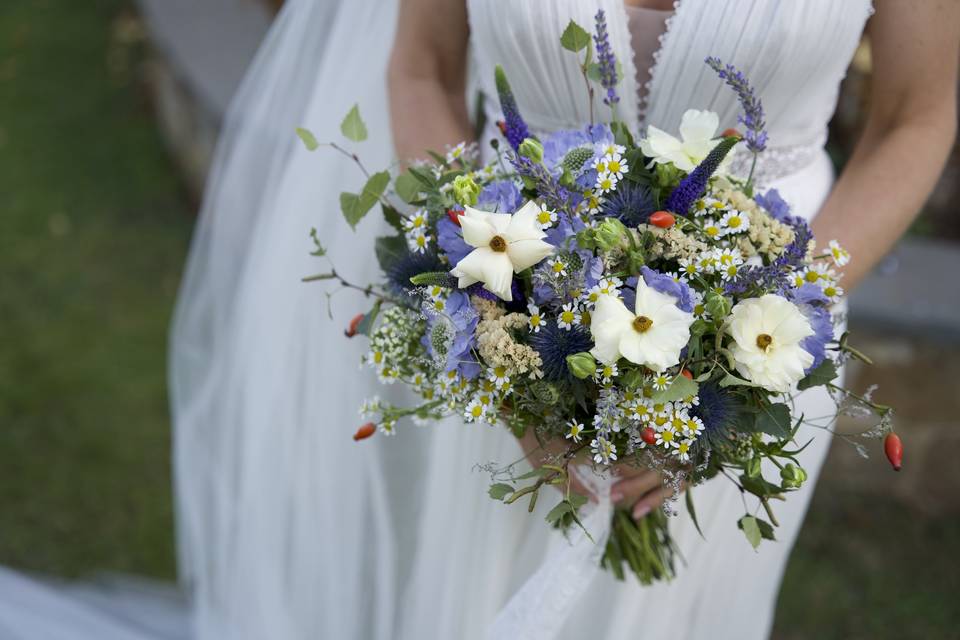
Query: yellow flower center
point(642, 324)
point(498, 244)
point(734, 222)
point(764, 340)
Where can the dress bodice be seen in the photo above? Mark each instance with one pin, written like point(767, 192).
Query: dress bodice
point(794, 53)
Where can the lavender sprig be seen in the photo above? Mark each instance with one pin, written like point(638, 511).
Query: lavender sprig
point(555, 196)
point(752, 117)
point(606, 61)
point(515, 129)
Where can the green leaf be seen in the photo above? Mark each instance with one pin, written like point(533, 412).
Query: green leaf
point(731, 380)
point(593, 72)
point(309, 141)
point(759, 487)
point(622, 135)
point(355, 206)
point(750, 528)
point(578, 500)
point(353, 127)
point(681, 387)
point(766, 529)
point(388, 250)
point(824, 373)
point(574, 37)
point(366, 325)
point(500, 491)
point(392, 216)
point(559, 511)
point(407, 186)
point(423, 177)
point(693, 513)
point(775, 420)
point(434, 278)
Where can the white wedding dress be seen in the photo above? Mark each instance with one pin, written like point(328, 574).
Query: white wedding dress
point(287, 528)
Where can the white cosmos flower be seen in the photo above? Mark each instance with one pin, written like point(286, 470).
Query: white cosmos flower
point(767, 332)
point(504, 244)
point(697, 131)
point(652, 335)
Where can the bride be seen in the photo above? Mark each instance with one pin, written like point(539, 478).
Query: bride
point(287, 528)
point(290, 530)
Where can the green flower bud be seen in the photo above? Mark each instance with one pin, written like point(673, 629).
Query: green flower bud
point(581, 365)
point(792, 476)
point(753, 467)
point(465, 191)
point(718, 305)
point(610, 233)
point(532, 149)
point(545, 392)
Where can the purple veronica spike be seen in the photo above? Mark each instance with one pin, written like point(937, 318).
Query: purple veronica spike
point(606, 61)
point(692, 187)
point(516, 130)
point(752, 117)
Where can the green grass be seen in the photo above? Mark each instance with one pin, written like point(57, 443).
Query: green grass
point(94, 233)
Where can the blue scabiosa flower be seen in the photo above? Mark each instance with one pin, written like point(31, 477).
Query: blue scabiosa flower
point(775, 205)
point(516, 130)
point(667, 285)
point(718, 408)
point(693, 186)
point(752, 117)
point(408, 265)
point(606, 61)
point(450, 335)
point(631, 204)
point(554, 195)
point(501, 196)
point(450, 240)
point(814, 305)
point(555, 344)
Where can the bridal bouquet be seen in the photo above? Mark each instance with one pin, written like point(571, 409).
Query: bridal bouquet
point(629, 299)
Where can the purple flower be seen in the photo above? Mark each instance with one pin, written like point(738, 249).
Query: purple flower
point(450, 338)
point(692, 187)
point(554, 195)
point(516, 129)
point(450, 240)
point(775, 205)
point(606, 61)
point(631, 204)
point(812, 302)
point(501, 196)
point(667, 285)
point(752, 117)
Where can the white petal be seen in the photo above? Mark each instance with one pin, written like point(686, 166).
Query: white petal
point(498, 221)
point(523, 224)
point(472, 265)
point(477, 230)
point(526, 253)
point(698, 125)
point(610, 319)
point(498, 276)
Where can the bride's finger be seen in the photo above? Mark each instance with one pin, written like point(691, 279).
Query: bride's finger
point(634, 487)
point(650, 501)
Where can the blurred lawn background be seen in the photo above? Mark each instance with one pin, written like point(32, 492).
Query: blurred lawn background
point(96, 225)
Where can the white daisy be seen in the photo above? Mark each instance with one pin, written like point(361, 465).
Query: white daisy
point(558, 267)
point(574, 429)
point(682, 452)
point(536, 321)
point(840, 255)
point(546, 218)
point(498, 376)
point(606, 373)
point(604, 451)
point(667, 437)
point(569, 316)
point(606, 182)
point(734, 222)
point(661, 381)
point(711, 229)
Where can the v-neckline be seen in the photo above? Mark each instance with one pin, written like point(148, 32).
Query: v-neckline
point(643, 93)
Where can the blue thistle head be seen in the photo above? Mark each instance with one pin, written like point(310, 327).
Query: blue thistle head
point(695, 184)
point(407, 265)
point(718, 407)
point(515, 129)
point(555, 344)
point(630, 203)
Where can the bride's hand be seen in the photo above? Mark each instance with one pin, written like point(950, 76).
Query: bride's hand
point(640, 489)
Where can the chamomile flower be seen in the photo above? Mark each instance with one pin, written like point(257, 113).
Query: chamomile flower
point(388, 427)
point(734, 222)
point(604, 451)
point(546, 218)
point(574, 429)
point(833, 291)
point(417, 220)
point(699, 308)
point(558, 267)
point(707, 206)
point(475, 411)
point(688, 267)
point(693, 427)
point(682, 451)
point(498, 376)
point(456, 152)
point(418, 240)
point(606, 182)
point(667, 438)
point(840, 255)
point(606, 373)
point(611, 149)
point(661, 381)
point(712, 229)
point(615, 165)
point(536, 320)
point(640, 411)
point(606, 287)
point(592, 201)
point(569, 316)
point(707, 262)
point(818, 273)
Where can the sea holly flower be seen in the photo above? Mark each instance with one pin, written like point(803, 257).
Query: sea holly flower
point(652, 335)
point(768, 333)
point(698, 130)
point(503, 244)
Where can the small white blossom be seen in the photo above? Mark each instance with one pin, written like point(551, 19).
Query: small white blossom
point(604, 451)
point(546, 218)
point(536, 320)
point(734, 222)
point(569, 316)
point(574, 429)
point(840, 255)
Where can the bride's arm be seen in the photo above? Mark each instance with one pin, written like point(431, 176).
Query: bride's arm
point(427, 77)
point(909, 133)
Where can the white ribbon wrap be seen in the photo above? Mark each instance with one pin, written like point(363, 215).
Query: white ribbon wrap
point(539, 608)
